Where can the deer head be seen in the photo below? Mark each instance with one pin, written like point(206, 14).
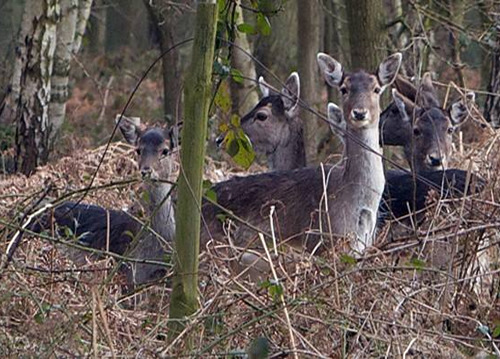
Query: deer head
point(152, 146)
point(426, 130)
point(268, 123)
point(360, 90)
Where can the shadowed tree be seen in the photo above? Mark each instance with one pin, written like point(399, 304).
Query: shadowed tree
point(366, 24)
point(309, 41)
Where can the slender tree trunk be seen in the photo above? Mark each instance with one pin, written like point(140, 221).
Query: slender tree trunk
point(309, 45)
point(198, 85)
point(97, 33)
point(70, 30)
point(366, 25)
point(492, 104)
point(244, 96)
point(165, 25)
point(455, 9)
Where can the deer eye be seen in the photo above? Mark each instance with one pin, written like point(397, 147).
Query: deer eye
point(261, 116)
point(164, 152)
point(138, 151)
point(343, 90)
point(451, 130)
point(377, 90)
point(416, 132)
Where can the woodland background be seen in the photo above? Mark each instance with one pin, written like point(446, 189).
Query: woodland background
point(69, 66)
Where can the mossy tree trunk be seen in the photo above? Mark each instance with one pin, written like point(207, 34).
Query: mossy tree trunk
point(198, 85)
point(365, 19)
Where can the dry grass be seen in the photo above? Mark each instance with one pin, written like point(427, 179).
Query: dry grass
point(424, 295)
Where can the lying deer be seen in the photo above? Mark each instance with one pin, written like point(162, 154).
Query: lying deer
point(90, 223)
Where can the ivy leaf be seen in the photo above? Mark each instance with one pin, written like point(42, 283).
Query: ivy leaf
point(418, 264)
point(496, 331)
point(237, 76)
point(347, 259)
point(263, 24)
point(223, 99)
point(221, 69)
point(247, 29)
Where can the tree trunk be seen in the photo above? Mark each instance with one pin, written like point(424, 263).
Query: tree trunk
point(244, 96)
point(70, 30)
point(165, 26)
point(198, 85)
point(31, 84)
point(309, 45)
point(365, 19)
point(455, 12)
point(492, 104)
point(97, 33)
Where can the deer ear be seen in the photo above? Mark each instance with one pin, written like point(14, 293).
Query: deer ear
point(405, 88)
point(459, 110)
point(388, 69)
point(130, 127)
point(332, 69)
point(290, 93)
point(428, 95)
point(338, 125)
point(264, 87)
point(405, 106)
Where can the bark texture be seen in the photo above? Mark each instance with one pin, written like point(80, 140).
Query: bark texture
point(74, 16)
point(366, 25)
point(309, 41)
point(492, 103)
point(163, 19)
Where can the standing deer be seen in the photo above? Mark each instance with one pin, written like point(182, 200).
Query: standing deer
point(269, 131)
point(353, 189)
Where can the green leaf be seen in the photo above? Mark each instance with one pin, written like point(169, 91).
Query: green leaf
point(237, 76)
point(68, 232)
point(235, 121)
point(263, 24)
point(275, 291)
point(211, 195)
point(418, 264)
point(347, 259)
point(247, 29)
point(221, 217)
point(223, 99)
point(496, 332)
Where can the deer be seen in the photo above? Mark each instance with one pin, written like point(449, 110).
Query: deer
point(89, 223)
point(416, 121)
point(353, 189)
point(433, 128)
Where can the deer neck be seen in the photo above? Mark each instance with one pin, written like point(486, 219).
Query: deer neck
point(362, 165)
point(160, 208)
point(290, 154)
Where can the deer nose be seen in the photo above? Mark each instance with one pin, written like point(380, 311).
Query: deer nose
point(435, 160)
point(146, 171)
point(359, 114)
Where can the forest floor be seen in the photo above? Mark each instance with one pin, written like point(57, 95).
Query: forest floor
point(431, 291)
